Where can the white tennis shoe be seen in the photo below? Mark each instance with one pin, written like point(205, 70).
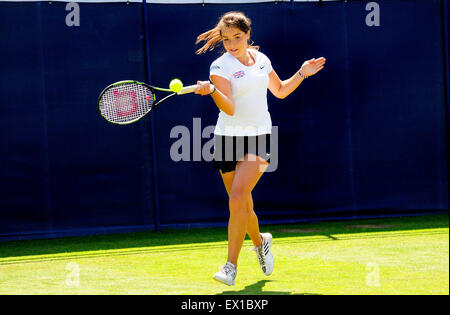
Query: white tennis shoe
point(226, 274)
point(264, 254)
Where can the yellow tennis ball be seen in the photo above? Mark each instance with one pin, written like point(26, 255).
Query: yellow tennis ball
point(176, 85)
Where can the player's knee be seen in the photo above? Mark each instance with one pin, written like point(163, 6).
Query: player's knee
point(238, 200)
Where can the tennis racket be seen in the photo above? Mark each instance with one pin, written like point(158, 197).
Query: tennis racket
point(126, 102)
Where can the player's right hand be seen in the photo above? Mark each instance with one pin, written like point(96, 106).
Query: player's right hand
point(203, 88)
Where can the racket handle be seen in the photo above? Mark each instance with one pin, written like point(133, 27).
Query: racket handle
point(191, 88)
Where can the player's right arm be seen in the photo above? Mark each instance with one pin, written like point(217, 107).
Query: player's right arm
point(221, 96)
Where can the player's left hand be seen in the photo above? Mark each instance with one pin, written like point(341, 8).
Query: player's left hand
point(312, 66)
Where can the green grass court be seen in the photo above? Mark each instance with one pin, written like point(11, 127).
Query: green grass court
point(408, 255)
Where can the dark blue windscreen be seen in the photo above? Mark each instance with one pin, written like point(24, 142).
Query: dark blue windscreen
point(366, 136)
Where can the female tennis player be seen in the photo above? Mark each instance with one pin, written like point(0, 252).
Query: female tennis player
point(241, 77)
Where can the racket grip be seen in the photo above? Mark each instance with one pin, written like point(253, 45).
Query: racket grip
point(191, 88)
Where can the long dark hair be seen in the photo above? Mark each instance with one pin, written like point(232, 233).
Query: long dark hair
point(214, 36)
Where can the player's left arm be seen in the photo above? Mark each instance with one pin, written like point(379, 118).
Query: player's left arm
point(281, 89)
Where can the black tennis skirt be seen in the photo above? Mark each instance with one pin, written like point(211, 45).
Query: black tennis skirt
point(228, 150)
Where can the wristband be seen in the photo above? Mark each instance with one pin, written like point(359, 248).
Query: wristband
point(213, 90)
point(301, 75)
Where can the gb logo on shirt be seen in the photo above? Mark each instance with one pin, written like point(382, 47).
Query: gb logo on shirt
point(238, 74)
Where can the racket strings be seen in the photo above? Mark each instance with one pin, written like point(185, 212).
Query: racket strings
point(125, 103)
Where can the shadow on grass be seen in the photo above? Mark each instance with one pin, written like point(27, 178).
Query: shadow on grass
point(208, 238)
point(257, 289)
